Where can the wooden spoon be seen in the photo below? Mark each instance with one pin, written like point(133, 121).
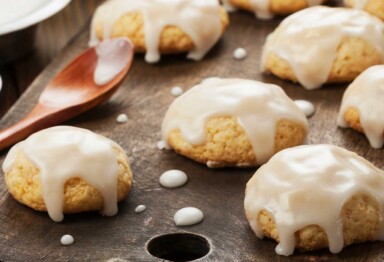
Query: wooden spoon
point(73, 90)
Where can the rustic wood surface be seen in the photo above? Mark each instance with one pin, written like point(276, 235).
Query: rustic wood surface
point(28, 235)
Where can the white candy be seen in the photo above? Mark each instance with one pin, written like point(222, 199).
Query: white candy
point(188, 216)
point(67, 240)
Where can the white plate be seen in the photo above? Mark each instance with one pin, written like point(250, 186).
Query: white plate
point(19, 14)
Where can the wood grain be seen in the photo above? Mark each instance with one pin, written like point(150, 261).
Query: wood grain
point(144, 96)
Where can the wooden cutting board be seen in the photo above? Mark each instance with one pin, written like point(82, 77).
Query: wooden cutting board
point(28, 235)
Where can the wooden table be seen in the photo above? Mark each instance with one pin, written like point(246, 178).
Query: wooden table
point(145, 95)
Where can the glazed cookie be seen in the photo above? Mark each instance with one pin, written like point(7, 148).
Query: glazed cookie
point(362, 107)
point(374, 7)
point(233, 122)
point(317, 196)
point(321, 45)
point(266, 9)
point(68, 170)
point(162, 26)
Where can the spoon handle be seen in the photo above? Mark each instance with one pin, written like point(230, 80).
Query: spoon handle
point(39, 118)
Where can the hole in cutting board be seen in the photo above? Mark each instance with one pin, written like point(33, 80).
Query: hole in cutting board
point(179, 247)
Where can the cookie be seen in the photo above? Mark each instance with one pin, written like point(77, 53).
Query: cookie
point(68, 170)
point(362, 107)
point(233, 122)
point(266, 9)
point(316, 196)
point(162, 27)
point(374, 7)
point(322, 45)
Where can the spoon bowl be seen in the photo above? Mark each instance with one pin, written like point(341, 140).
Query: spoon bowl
point(74, 89)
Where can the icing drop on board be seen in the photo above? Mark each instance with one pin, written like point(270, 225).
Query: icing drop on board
point(188, 216)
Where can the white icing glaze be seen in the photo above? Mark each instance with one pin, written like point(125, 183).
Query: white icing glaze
point(64, 152)
point(161, 145)
point(200, 19)
point(122, 118)
point(140, 208)
point(317, 181)
point(366, 94)
point(308, 40)
point(173, 178)
point(261, 7)
point(307, 107)
point(67, 240)
point(113, 56)
point(240, 53)
point(177, 91)
point(188, 216)
point(257, 106)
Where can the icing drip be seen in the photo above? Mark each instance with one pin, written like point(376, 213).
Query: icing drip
point(257, 106)
point(64, 152)
point(162, 145)
point(308, 40)
point(112, 57)
point(200, 19)
point(366, 94)
point(317, 181)
point(307, 107)
point(262, 10)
